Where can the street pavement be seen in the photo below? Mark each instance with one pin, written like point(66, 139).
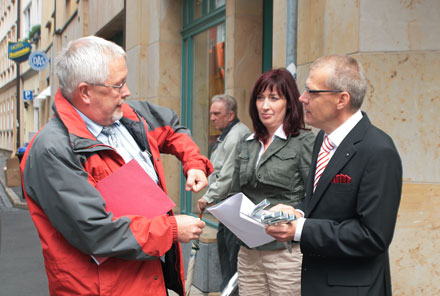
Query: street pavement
point(21, 260)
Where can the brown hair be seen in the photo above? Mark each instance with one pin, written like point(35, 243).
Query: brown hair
point(283, 82)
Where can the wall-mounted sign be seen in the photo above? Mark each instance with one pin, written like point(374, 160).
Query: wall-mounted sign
point(38, 60)
point(28, 95)
point(19, 51)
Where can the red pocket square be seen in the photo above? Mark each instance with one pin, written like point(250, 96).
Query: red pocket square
point(341, 178)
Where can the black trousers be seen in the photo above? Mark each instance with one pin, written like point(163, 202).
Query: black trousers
point(228, 248)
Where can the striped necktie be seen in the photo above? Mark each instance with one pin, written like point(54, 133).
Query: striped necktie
point(323, 159)
point(109, 131)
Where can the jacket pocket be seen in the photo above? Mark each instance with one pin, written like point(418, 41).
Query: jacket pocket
point(282, 170)
point(243, 163)
point(340, 187)
point(340, 201)
point(350, 276)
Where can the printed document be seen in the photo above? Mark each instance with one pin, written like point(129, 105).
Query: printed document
point(235, 213)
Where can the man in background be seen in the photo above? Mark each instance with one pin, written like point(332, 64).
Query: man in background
point(223, 114)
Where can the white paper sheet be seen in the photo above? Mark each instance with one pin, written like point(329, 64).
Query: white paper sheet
point(234, 213)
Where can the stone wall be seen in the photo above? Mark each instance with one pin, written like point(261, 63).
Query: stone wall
point(398, 43)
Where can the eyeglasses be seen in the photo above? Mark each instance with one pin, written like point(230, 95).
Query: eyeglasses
point(314, 91)
point(116, 87)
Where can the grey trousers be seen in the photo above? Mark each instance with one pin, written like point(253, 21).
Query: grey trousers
point(228, 248)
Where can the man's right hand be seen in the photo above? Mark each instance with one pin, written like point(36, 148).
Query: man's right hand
point(201, 204)
point(188, 228)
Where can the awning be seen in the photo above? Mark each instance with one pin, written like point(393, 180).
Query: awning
point(44, 94)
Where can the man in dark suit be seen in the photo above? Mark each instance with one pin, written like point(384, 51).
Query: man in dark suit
point(353, 189)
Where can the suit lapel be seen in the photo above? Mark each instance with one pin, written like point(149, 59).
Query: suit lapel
point(343, 154)
point(311, 177)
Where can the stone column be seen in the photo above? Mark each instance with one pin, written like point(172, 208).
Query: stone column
point(279, 33)
point(398, 44)
point(154, 54)
point(244, 47)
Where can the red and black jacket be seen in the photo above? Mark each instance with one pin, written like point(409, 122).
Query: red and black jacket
point(60, 168)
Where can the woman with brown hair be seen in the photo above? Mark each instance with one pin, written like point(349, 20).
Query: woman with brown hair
point(273, 164)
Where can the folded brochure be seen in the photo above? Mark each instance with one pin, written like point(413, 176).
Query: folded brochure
point(131, 191)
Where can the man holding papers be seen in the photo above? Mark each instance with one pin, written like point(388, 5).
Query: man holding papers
point(353, 194)
point(92, 135)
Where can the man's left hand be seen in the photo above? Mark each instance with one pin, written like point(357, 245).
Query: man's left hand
point(196, 180)
point(286, 209)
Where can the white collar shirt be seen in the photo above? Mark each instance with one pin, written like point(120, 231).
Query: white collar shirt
point(338, 135)
point(278, 133)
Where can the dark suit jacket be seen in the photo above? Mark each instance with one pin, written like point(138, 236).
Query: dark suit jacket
point(349, 226)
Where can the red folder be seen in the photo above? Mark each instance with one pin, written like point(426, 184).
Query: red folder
point(131, 191)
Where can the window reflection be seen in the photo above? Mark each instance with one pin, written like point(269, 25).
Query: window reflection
point(198, 5)
point(219, 3)
point(208, 80)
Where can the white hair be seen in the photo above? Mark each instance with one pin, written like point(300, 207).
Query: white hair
point(86, 59)
point(230, 102)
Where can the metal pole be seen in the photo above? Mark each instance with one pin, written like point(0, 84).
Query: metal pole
point(292, 34)
point(124, 28)
point(18, 105)
point(18, 81)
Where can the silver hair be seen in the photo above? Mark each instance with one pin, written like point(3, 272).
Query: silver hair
point(346, 74)
point(230, 102)
point(86, 59)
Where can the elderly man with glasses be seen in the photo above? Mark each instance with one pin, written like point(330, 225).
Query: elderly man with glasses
point(93, 133)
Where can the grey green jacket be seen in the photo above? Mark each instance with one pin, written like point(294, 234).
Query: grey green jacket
point(222, 159)
point(279, 177)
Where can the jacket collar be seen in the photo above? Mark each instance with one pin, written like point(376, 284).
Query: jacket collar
point(339, 134)
point(225, 133)
point(92, 126)
point(278, 133)
point(80, 136)
point(278, 141)
point(228, 129)
point(70, 118)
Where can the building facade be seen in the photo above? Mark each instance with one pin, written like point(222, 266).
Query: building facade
point(182, 52)
point(8, 74)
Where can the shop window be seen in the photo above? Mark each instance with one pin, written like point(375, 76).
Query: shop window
point(203, 76)
point(27, 20)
